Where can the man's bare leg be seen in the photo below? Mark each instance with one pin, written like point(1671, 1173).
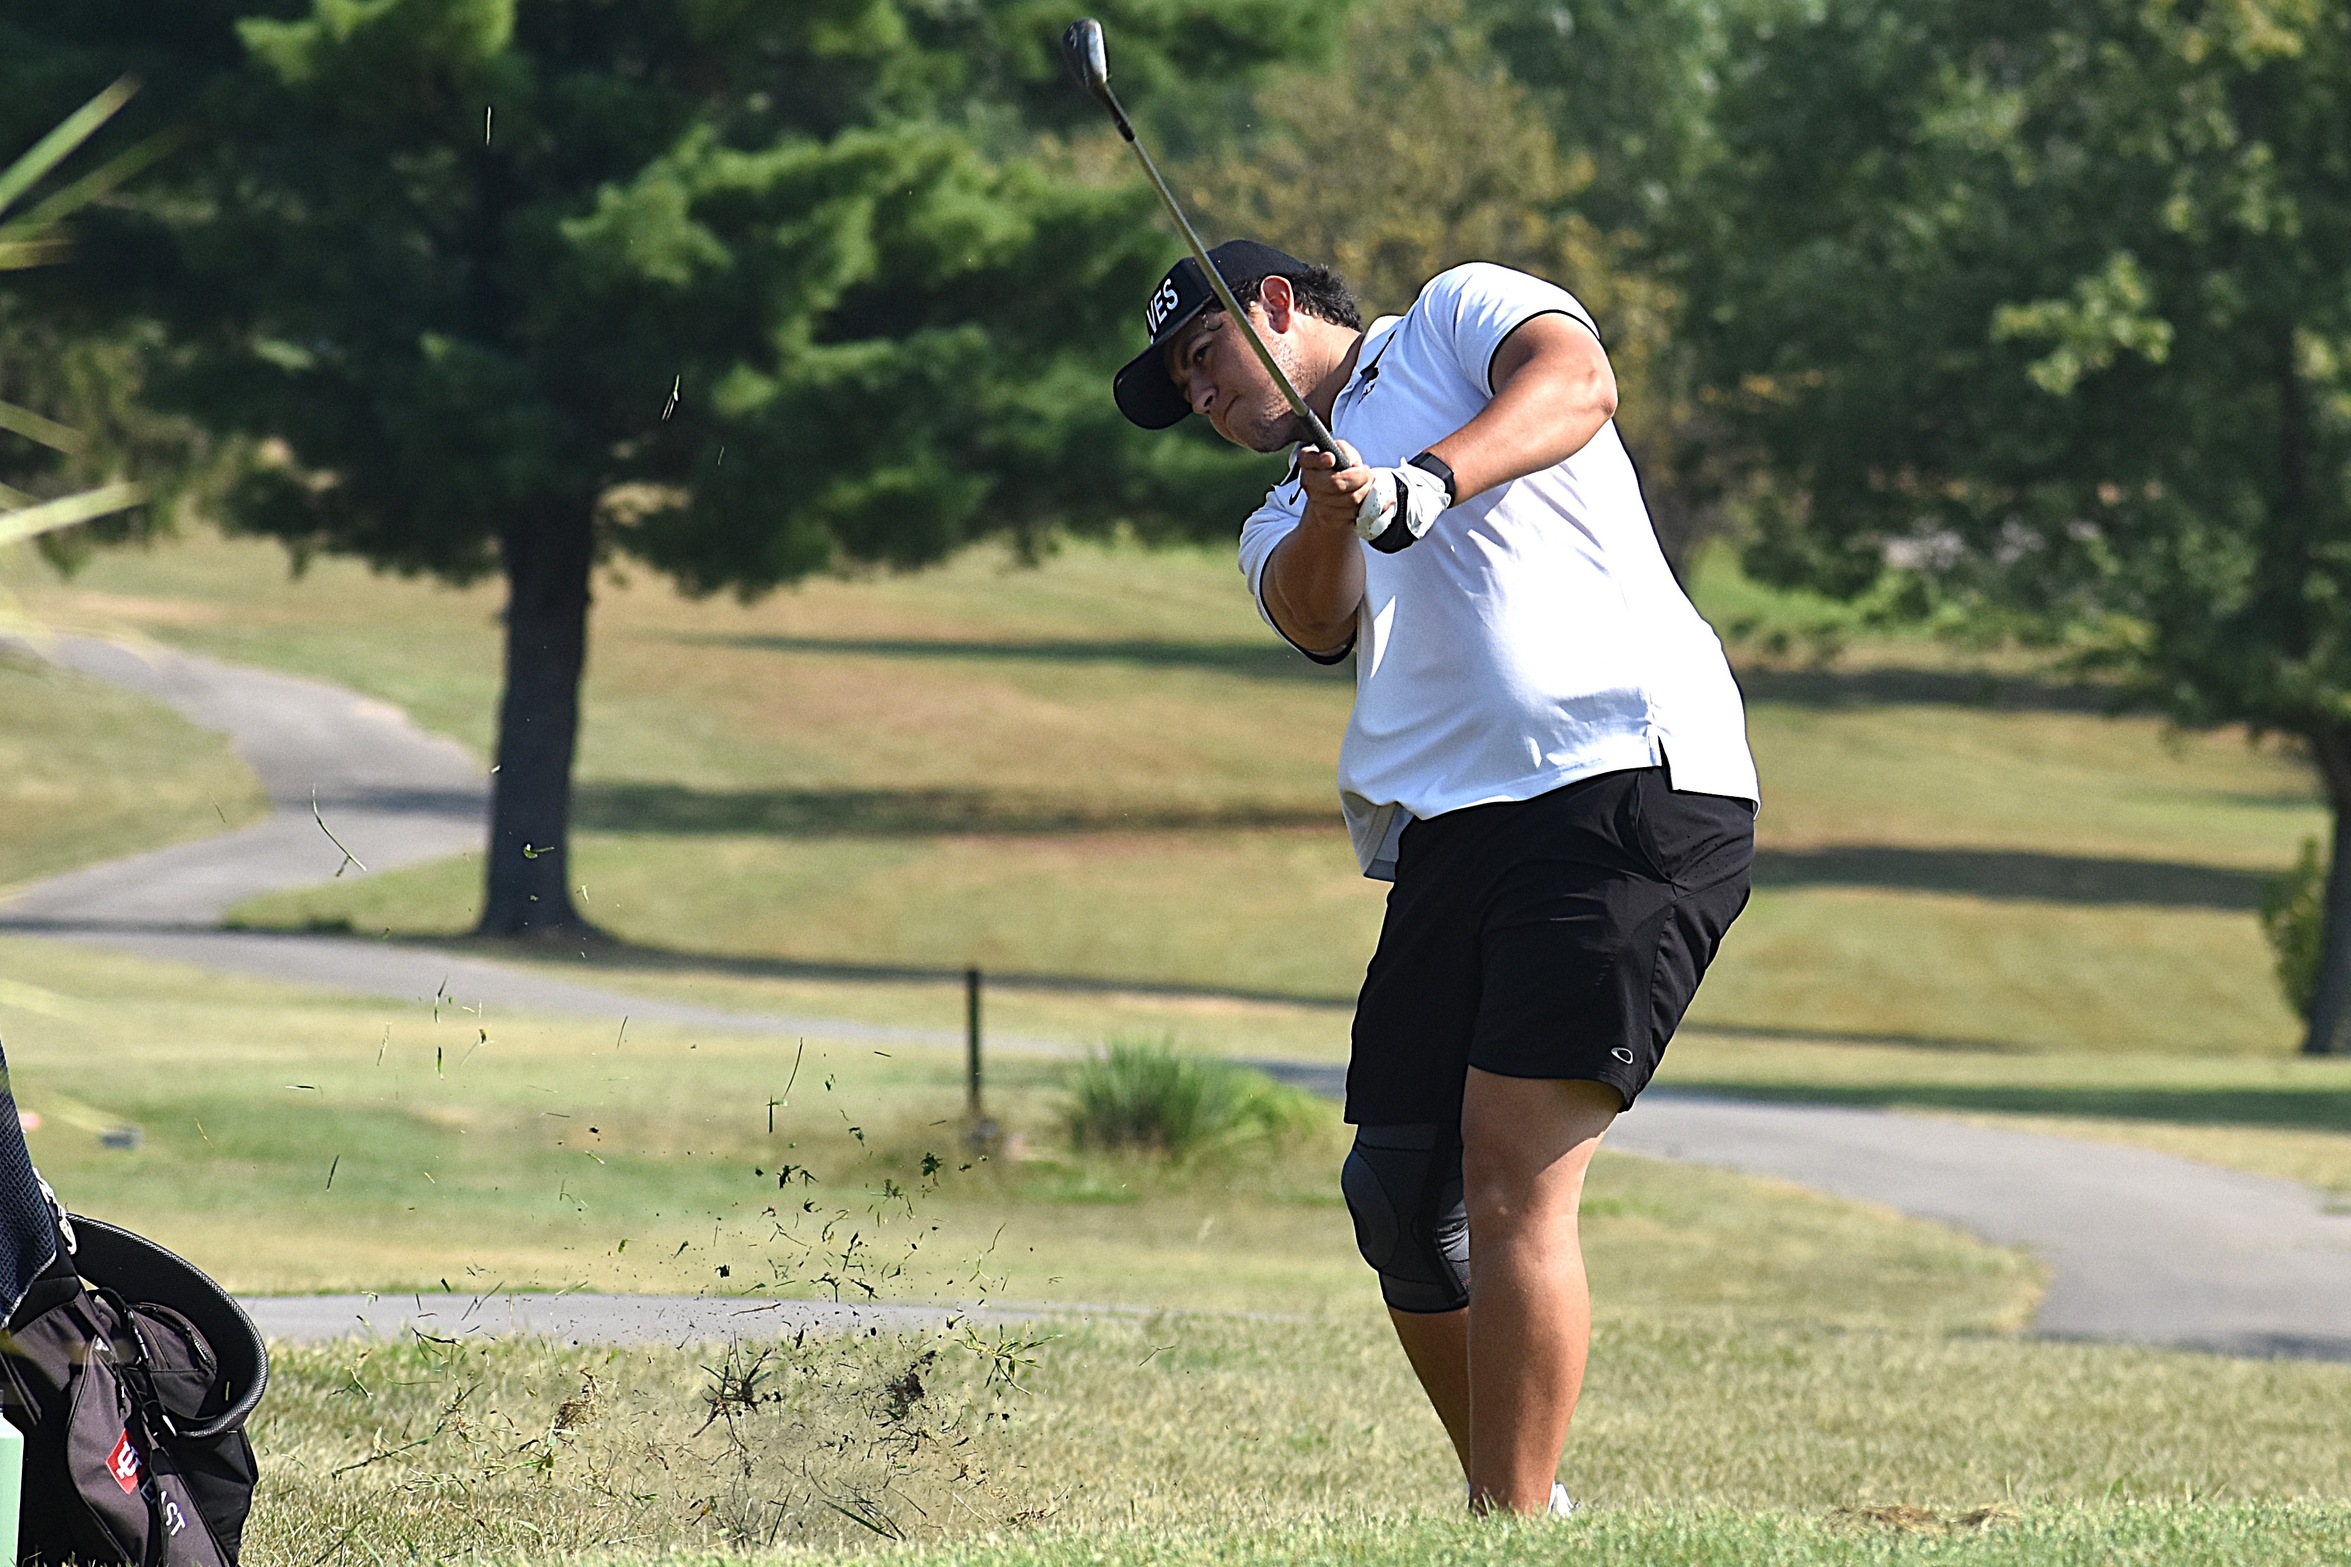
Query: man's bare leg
point(1437, 1344)
point(1526, 1143)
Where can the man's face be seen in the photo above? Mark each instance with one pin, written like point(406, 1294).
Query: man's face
point(1212, 364)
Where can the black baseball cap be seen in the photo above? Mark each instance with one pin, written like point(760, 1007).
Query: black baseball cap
point(1145, 394)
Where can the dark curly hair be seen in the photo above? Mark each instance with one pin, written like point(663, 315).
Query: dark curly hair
point(1320, 292)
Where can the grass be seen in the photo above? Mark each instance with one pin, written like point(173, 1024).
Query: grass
point(2108, 1536)
point(1765, 1356)
point(2287, 1116)
point(1694, 1438)
point(295, 1141)
point(88, 773)
point(1108, 770)
point(1143, 1096)
point(1980, 896)
point(2284, 1116)
point(1280, 913)
point(1940, 969)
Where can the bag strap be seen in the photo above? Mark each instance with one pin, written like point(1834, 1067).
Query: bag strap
point(151, 1426)
point(138, 1369)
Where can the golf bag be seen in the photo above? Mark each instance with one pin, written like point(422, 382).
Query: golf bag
point(130, 1375)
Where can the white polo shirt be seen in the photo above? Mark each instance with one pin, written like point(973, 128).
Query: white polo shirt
point(1536, 635)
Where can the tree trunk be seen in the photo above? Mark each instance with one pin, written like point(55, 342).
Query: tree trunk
point(2330, 1006)
point(548, 556)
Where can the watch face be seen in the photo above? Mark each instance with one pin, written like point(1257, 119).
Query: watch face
point(1429, 462)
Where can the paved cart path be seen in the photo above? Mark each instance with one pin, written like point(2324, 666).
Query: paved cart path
point(2142, 1247)
point(394, 794)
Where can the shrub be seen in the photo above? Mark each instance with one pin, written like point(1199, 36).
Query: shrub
point(1143, 1095)
point(2293, 917)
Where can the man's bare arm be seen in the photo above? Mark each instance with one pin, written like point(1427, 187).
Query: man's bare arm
point(1314, 582)
point(1553, 391)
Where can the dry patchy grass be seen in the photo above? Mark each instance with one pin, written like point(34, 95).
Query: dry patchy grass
point(1108, 769)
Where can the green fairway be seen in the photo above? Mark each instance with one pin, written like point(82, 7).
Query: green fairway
point(1107, 769)
point(1102, 782)
point(2156, 1535)
point(88, 773)
point(1765, 1357)
point(294, 1141)
point(1188, 1439)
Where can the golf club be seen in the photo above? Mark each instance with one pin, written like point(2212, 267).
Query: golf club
point(1082, 47)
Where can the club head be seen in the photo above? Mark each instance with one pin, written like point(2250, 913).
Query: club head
point(1082, 48)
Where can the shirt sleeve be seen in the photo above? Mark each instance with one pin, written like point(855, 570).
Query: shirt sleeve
point(1261, 535)
point(1480, 304)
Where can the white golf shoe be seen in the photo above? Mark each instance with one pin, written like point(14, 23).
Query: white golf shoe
point(1561, 1504)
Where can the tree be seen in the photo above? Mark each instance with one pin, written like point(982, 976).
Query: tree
point(743, 290)
point(1423, 149)
point(2042, 319)
point(1628, 87)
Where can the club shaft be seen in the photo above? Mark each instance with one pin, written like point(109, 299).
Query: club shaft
point(1318, 434)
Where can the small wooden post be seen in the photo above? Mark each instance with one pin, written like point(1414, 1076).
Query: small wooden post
point(971, 1037)
point(980, 1134)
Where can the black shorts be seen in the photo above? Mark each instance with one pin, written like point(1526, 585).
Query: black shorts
point(1558, 937)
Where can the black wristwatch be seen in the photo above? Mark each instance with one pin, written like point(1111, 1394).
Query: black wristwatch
point(1430, 462)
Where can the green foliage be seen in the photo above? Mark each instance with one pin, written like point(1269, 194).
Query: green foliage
point(447, 259)
point(2293, 917)
point(1144, 1096)
point(59, 473)
point(2045, 310)
point(747, 292)
point(1427, 147)
point(1629, 88)
point(39, 237)
point(1420, 152)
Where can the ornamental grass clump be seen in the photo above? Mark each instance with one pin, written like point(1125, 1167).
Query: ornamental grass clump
point(2293, 917)
point(1143, 1096)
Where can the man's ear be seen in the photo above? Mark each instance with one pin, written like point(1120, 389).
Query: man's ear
point(1275, 298)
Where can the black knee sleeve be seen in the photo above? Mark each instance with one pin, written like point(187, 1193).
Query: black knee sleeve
point(1403, 1186)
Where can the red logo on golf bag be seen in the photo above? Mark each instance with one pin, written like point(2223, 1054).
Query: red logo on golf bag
point(123, 1463)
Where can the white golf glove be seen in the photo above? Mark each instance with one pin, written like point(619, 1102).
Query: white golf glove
point(1400, 507)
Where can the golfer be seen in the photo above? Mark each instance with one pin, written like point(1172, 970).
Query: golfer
point(1547, 757)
